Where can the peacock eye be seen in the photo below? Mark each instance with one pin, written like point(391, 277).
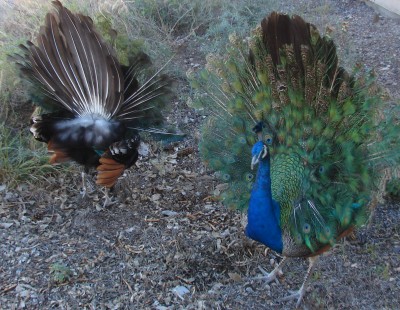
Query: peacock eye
point(249, 177)
point(327, 231)
point(226, 177)
point(298, 238)
point(268, 139)
point(321, 169)
point(242, 140)
point(306, 228)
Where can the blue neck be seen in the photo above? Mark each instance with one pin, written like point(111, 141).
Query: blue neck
point(264, 213)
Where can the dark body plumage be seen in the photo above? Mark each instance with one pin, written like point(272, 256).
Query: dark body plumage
point(91, 106)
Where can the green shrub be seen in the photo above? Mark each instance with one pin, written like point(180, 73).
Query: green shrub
point(393, 188)
point(22, 159)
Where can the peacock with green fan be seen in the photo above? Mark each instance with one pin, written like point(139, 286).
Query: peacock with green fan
point(320, 136)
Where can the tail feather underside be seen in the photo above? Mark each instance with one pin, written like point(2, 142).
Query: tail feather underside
point(74, 66)
point(79, 72)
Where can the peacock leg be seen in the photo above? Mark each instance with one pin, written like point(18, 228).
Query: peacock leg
point(300, 293)
point(87, 186)
point(271, 275)
point(84, 185)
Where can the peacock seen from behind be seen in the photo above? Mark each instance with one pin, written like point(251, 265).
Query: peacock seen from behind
point(92, 107)
point(318, 135)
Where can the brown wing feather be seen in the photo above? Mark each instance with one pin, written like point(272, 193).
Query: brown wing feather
point(109, 171)
point(58, 156)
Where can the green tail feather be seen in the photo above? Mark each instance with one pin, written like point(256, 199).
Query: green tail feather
point(329, 134)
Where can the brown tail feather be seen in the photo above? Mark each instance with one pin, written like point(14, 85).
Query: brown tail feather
point(66, 63)
point(299, 59)
point(108, 161)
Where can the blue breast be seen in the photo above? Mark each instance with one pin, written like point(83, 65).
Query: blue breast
point(264, 213)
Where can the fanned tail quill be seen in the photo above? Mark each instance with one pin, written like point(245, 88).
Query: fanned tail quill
point(79, 71)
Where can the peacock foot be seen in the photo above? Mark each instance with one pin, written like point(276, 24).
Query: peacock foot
point(270, 276)
point(108, 200)
point(301, 292)
point(267, 276)
point(84, 192)
point(295, 295)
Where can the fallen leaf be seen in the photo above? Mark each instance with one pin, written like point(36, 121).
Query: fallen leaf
point(6, 225)
point(155, 197)
point(235, 276)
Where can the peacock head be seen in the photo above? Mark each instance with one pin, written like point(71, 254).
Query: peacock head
point(258, 153)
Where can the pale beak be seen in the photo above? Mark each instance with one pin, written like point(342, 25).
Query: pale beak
point(256, 158)
point(254, 161)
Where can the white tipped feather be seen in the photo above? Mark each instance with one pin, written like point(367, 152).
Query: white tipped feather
point(146, 84)
point(145, 98)
point(66, 64)
point(78, 70)
point(67, 70)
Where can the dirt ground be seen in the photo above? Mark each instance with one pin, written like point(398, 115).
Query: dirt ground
point(166, 244)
